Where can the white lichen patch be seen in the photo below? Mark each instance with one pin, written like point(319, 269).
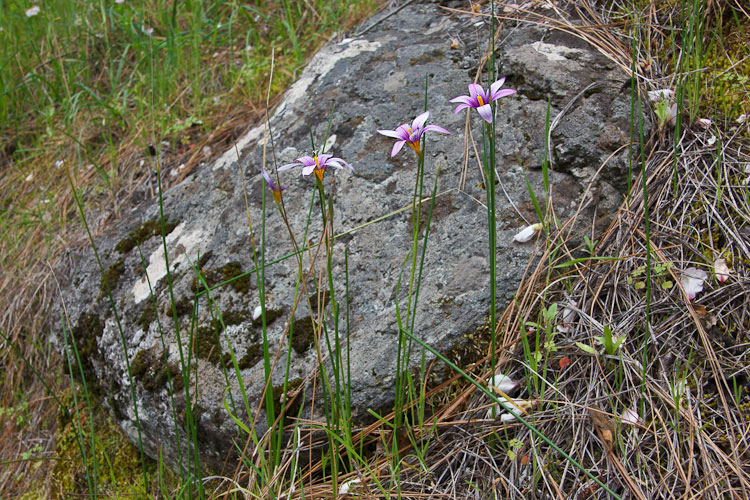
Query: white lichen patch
point(557, 52)
point(181, 246)
point(320, 65)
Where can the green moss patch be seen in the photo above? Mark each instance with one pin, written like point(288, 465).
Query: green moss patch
point(112, 276)
point(149, 368)
point(303, 335)
point(89, 328)
point(233, 271)
point(148, 315)
point(253, 354)
point(143, 233)
point(207, 345)
point(240, 281)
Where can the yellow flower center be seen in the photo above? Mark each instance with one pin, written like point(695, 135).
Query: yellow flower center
point(481, 101)
point(409, 130)
point(317, 165)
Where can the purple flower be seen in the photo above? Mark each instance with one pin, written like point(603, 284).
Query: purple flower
point(480, 100)
point(318, 164)
point(276, 190)
point(411, 135)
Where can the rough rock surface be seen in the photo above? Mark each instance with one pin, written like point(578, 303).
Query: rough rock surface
point(376, 82)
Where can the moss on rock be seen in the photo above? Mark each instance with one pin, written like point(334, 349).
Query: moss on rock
point(112, 276)
point(302, 335)
point(143, 233)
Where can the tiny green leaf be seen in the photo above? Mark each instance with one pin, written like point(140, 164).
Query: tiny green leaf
point(586, 348)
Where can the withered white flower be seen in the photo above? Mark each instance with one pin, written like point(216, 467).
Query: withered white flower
point(502, 383)
point(692, 281)
point(630, 417)
point(722, 270)
point(32, 11)
point(568, 316)
point(344, 489)
point(661, 94)
point(704, 123)
point(518, 406)
point(527, 233)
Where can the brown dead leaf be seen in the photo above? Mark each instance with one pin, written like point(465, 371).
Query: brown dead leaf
point(603, 426)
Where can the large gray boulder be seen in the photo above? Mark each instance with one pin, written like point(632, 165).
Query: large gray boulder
point(376, 82)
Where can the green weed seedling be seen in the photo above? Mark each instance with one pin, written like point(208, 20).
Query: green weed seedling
point(611, 343)
point(658, 271)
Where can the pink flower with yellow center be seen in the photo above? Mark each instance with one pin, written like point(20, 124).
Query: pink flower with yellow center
point(317, 164)
point(480, 100)
point(411, 135)
point(276, 190)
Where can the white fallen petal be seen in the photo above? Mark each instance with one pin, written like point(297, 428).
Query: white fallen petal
point(672, 116)
point(712, 140)
point(630, 417)
point(502, 383)
point(661, 94)
point(742, 118)
point(692, 281)
point(344, 489)
point(722, 270)
point(519, 406)
point(568, 316)
point(704, 123)
point(31, 12)
point(257, 312)
point(527, 233)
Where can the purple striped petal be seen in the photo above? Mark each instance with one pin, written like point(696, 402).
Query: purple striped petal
point(419, 121)
point(397, 147)
point(496, 86)
point(485, 112)
point(503, 93)
point(460, 107)
point(390, 133)
point(476, 90)
point(436, 129)
point(464, 99)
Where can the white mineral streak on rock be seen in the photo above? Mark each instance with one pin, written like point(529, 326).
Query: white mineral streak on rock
point(156, 266)
point(319, 66)
point(556, 52)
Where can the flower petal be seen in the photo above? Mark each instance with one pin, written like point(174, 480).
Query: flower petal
point(503, 383)
point(419, 121)
point(397, 147)
point(485, 112)
point(436, 129)
point(462, 98)
point(503, 93)
point(527, 233)
point(476, 90)
point(692, 281)
point(307, 169)
point(289, 165)
point(460, 107)
point(630, 417)
point(496, 86)
point(306, 160)
point(390, 133)
point(722, 270)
